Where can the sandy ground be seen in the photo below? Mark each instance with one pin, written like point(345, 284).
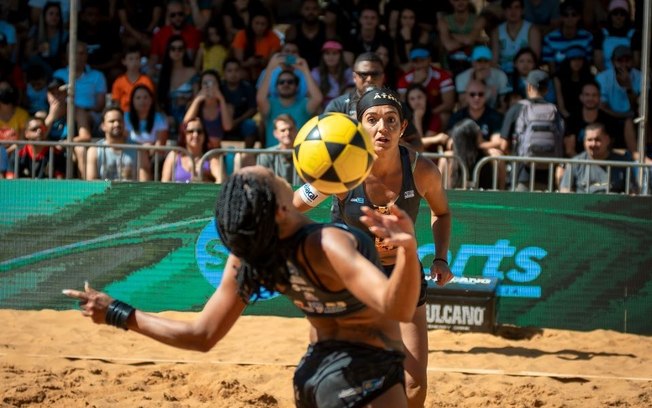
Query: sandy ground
point(60, 359)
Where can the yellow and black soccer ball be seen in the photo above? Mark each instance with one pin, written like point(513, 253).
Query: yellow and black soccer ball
point(333, 153)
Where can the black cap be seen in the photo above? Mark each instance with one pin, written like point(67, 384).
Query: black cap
point(537, 78)
point(621, 51)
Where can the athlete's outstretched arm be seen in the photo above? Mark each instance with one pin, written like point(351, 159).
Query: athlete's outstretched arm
point(215, 320)
point(307, 197)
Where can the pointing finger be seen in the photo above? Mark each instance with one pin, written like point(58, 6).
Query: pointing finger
point(74, 294)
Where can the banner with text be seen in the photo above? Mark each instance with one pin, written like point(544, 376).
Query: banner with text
point(561, 260)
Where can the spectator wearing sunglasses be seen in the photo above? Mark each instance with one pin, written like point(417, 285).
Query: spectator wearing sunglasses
point(288, 100)
point(618, 30)
point(177, 25)
point(369, 72)
point(36, 161)
point(473, 141)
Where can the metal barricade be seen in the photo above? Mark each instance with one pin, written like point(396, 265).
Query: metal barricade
point(535, 163)
point(445, 170)
point(233, 149)
point(532, 162)
point(239, 150)
point(68, 146)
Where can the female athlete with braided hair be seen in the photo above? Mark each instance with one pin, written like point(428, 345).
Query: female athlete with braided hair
point(399, 178)
point(330, 271)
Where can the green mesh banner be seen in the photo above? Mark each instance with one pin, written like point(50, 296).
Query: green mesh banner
point(564, 261)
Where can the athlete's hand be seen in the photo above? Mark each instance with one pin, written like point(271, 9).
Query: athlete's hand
point(93, 304)
point(396, 228)
point(440, 272)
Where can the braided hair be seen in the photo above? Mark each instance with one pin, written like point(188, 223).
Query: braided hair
point(244, 218)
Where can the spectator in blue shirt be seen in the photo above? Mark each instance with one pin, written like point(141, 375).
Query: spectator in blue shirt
point(90, 94)
point(301, 109)
point(3, 161)
point(90, 91)
point(620, 86)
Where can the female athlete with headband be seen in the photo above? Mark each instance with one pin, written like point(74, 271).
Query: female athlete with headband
point(399, 178)
point(330, 271)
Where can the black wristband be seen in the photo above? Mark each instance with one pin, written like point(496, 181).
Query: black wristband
point(118, 313)
point(440, 259)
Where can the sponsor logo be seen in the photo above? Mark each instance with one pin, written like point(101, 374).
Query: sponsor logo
point(307, 191)
point(408, 194)
point(465, 280)
point(455, 314)
point(514, 281)
point(358, 200)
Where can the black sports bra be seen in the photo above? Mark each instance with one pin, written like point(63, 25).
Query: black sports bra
point(306, 291)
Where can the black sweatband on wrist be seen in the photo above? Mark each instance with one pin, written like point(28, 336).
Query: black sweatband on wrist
point(118, 313)
point(440, 259)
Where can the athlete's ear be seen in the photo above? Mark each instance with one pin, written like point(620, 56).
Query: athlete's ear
point(281, 212)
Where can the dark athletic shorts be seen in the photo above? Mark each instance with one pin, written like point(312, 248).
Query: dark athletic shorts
point(343, 374)
point(424, 284)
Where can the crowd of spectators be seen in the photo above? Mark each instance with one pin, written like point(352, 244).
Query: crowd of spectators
point(203, 73)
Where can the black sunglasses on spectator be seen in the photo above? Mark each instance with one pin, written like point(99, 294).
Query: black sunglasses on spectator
point(364, 75)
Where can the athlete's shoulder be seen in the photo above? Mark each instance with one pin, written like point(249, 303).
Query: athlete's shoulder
point(341, 228)
point(338, 104)
point(425, 172)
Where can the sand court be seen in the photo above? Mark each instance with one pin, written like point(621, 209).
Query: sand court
point(60, 359)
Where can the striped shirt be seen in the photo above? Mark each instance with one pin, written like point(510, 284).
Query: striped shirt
point(555, 44)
